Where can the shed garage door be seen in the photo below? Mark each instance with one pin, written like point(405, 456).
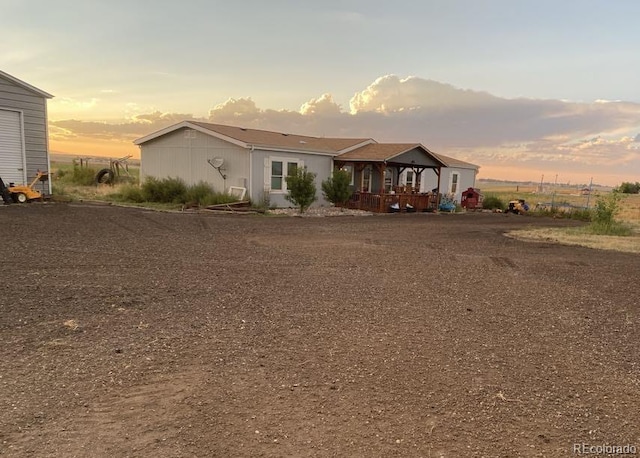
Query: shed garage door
point(11, 151)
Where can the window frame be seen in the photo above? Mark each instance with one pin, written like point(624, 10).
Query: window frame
point(454, 181)
point(405, 180)
point(286, 162)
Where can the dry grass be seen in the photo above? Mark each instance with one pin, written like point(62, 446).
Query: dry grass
point(629, 214)
point(630, 211)
point(82, 193)
point(630, 244)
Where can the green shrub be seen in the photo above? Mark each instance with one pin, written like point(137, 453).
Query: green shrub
point(174, 191)
point(199, 193)
point(167, 190)
point(604, 214)
point(336, 189)
point(607, 207)
point(80, 176)
point(302, 188)
point(492, 202)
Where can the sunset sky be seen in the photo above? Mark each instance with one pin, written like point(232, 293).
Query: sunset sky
point(520, 87)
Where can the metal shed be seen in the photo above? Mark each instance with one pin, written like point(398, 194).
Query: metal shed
point(24, 138)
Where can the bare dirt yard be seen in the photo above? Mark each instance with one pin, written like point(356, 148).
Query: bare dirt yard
point(126, 332)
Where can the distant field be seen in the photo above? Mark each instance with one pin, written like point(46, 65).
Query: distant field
point(97, 161)
point(559, 196)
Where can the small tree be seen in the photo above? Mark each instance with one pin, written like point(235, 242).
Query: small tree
point(302, 188)
point(607, 207)
point(604, 216)
point(336, 189)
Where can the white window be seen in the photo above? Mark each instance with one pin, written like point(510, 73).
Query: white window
point(409, 178)
point(388, 180)
point(280, 169)
point(453, 186)
point(189, 133)
point(349, 169)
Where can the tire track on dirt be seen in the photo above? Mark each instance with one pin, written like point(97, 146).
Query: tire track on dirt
point(130, 423)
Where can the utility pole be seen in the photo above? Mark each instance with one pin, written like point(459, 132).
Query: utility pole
point(590, 189)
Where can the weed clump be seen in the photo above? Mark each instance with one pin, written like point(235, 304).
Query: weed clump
point(167, 190)
point(173, 191)
point(491, 202)
point(604, 213)
point(78, 175)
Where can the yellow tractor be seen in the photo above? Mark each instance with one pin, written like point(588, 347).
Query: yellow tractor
point(22, 194)
point(519, 207)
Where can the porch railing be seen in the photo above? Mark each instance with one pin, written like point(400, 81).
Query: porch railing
point(386, 202)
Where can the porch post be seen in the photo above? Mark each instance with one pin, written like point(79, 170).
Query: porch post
point(358, 167)
point(438, 193)
point(383, 168)
point(418, 173)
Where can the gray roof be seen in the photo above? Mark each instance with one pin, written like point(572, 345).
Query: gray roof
point(24, 85)
point(346, 149)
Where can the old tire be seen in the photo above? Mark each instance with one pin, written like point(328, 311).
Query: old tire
point(105, 176)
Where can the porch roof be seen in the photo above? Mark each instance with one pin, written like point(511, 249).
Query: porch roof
point(399, 153)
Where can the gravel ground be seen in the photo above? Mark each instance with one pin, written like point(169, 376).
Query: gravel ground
point(125, 332)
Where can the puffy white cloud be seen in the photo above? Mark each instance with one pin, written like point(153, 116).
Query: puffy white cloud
point(323, 106)
point(235, 109)
point(389, 94)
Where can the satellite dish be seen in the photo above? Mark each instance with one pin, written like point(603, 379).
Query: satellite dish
point(216, 162)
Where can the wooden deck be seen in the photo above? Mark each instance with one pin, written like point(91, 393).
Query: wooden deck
point(381, 203)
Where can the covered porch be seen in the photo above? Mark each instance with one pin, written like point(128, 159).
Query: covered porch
point(386, 177)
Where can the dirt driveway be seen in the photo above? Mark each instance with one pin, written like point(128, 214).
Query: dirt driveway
point(126, 332)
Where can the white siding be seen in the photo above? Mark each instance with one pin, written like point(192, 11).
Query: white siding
point(184, 155)
point(321, 165)
point(466, 179)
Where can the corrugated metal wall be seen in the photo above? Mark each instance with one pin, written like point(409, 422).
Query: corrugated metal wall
point(34, 119)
